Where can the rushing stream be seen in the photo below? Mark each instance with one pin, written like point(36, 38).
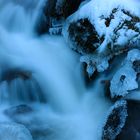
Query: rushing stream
point(41, 81)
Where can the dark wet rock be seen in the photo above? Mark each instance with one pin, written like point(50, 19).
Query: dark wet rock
point(136, 66)
point(115, 120)
point(83, 36)
point(106, 86)
point(54, 14)
point(18, 110)
point(48, 18)
point(15, 73)
point(20, 86)
point(42, 25)
point(61, 8)
point(131, 130)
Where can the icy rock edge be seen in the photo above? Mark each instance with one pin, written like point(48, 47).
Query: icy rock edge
point(115, 120)
point(126, 79)
point(99, 33)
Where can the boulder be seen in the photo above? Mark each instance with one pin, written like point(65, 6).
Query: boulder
point(96, 31)
point(115, 120)
point(126, 79)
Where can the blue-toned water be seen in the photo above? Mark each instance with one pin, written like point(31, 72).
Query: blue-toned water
point(41, 81)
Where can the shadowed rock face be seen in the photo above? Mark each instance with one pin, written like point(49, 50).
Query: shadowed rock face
point(20, 86)
point(84, 36)
point(61, 8)
point(131, 130)
point(115, 120)
point(54, 14)
point(12, 74)
point(70, 6)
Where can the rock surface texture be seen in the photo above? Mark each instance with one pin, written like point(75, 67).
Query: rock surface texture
point(102, 32)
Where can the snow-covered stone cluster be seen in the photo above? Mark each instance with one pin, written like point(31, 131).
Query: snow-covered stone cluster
point(101, 30)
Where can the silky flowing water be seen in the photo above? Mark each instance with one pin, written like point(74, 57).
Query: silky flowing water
point(42, 73)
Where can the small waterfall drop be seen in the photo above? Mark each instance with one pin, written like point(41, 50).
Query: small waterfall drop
point(19, 15)
point(43, 74)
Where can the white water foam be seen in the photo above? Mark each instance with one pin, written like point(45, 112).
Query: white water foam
point(72, 111)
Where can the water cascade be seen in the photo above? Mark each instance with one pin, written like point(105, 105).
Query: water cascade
point(41, 81)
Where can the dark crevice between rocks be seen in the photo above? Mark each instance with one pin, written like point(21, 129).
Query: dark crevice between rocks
point(89, 80)
point(42, 25)
point(70, 6)
point(106, 87)
point(136, 66)
point(64, 9)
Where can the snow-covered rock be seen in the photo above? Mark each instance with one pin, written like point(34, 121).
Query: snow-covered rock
point(83, 36)
point(126, 78)
point(115, 120)
point(96, 61)
point(103, 30)
point(13, 131)
point(123, 81)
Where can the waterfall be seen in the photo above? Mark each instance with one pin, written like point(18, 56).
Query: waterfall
point(19, 15)
point(42, 73)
